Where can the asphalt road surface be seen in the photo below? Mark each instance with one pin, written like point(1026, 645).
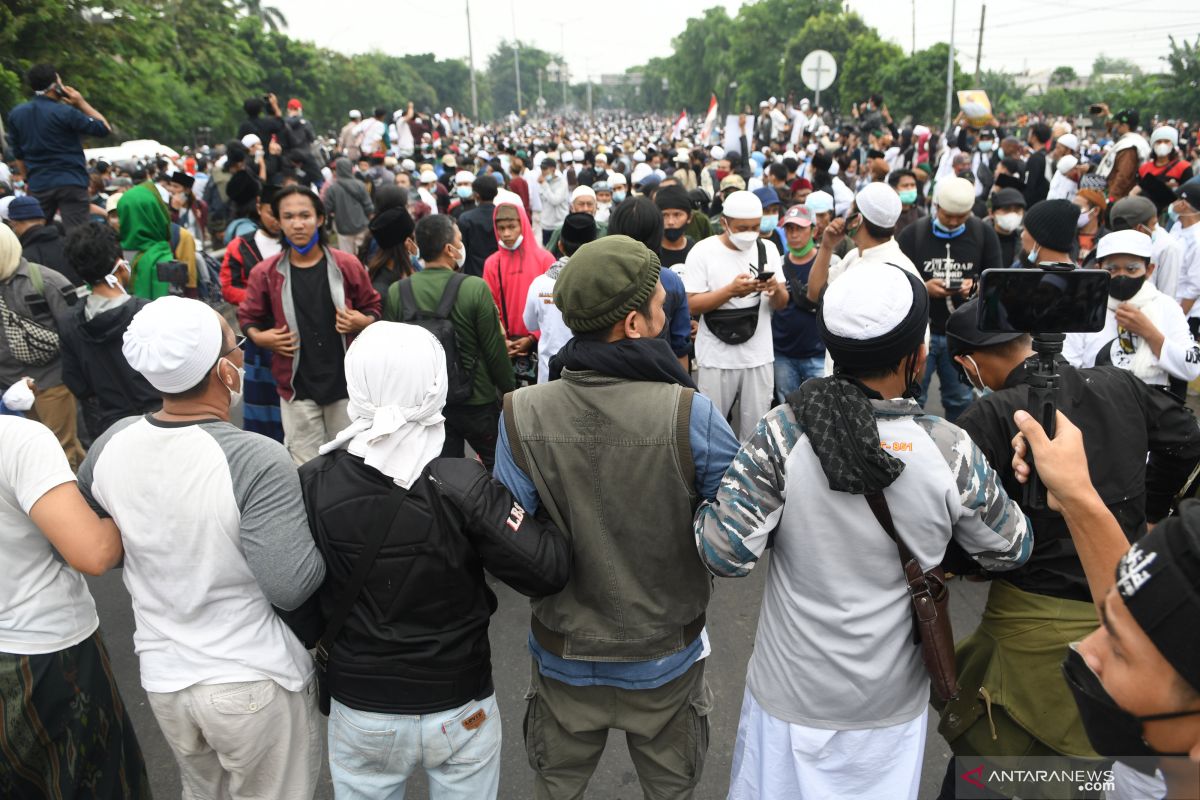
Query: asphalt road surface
point(732, 620)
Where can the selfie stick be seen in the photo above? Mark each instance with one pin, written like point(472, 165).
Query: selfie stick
point(1043, 388)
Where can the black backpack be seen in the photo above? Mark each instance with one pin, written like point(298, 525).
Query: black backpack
point(461, 378)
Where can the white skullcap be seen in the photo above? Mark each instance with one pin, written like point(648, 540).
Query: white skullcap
point(616, 179)
point(601, 157)
point(462, 176)
point(717, 152)
point(879, 204)
point(875, 302)
point(408, 165)
point(1167, 133)
point(428, 176)
point(355, 114)
point(819, 202)
point(742, 205)
point(567, 155)
point(640, 172)
point(250, 139)
point(577, 154)
point(5, 202)
point(1069, 141)
point(1135, 243)
point(173, 342)
point(638, 155)
point(956, 195)
point(505, 197)
point(582, 191)
point(1066, 164)
point(804, 103)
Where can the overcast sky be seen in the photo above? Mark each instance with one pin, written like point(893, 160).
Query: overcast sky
point(616, 34)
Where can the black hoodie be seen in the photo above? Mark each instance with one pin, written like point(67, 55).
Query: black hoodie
point(95, 370)
point(44, 245)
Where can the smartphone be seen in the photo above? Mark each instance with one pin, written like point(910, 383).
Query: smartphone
point(766, 276)
point(175, 273)
point(1043, 301)
point(1095, 108)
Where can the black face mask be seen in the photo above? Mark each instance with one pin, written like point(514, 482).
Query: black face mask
point(1112, 730)
point(672, 234)
point(1124, 287)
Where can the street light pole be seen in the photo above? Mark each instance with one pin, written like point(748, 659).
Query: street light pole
point(516, 55)
point(950, 70)
point(471, 63)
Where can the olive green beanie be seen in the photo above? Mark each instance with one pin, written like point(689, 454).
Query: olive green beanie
point(604, 281)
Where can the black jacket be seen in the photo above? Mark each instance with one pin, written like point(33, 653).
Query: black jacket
point(95, 370)
point(479, 237)
point(1037, 185)
point(416, 640)
point(953, 260)
point(1122, 419)
point(44, 245)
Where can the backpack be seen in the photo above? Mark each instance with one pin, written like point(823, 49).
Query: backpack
point(208, 272)
point(461, 377)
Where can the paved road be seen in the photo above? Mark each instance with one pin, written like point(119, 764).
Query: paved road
point(732, 619)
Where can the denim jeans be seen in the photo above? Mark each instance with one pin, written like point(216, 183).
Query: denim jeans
point(791, 372)
point(956, 395)
point(371, 755)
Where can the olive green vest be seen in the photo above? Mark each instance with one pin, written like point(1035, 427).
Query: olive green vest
point(612, 463)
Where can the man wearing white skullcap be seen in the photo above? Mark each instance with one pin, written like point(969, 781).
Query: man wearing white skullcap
point(213, 525)
point(732, 281)
point(435, 620)
point(834, 659)
point(583, 201)
point(950, 248)
point(1145, 331)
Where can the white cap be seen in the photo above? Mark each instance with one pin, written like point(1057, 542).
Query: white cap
point(867, 302)
point(408, 165)
point(5, 202)
point(819, 202)
point(601, 157)
point(463, 176)
point(582, 191)
point(638, 155)
point(1069, 141)
point(616, 179)
point(640, 172)
point(482, 155)
point(173, 342)
point(1066, 164)
point(804, 103)
point(763, 104)
point(717, 152)
point(956, 195)
point(682, 157)
point(250, 139)
point(577, 154)
point(1165, 133)
point(879, 204)
point(428, 176)
point(567, 156)
point(1135, 243)
point(355, 114)
point(771, 100)
point(742, 205)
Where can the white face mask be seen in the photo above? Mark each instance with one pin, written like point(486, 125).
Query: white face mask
point(111, 278)
point(1084, 218)
point(1008, 222)
point(743, 241)
point(514, 246)
point(461, 258)
point(1163, 149)
point(235, 398)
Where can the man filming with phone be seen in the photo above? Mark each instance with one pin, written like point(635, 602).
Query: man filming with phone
point(44, 136)
point(1009, 668)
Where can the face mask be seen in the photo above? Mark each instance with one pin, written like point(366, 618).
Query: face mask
point(1029, 259)
point(235, 398)
point(672, 234)
point(415, 260)
point(618, 197)
point(801, 252)
point(461, 258)
point(1084, 218)
point(306, 249)
point(111, 278)
point(942, 232)
point(982, 390)
point(464, 192)
point(768, 223)
point(743, 241)
point(852, 231)
point(1163, 149)
point(722, 174)
point(908, 196)
point(985, 146)
point(1008, 222)
point(515, 244)
point(1172, 215)
point(1112, 730)
point(1123, 287)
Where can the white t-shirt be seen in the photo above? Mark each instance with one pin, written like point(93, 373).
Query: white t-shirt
point(542, 315)
point(711, 265)
point(45, 605)
point(372, 136)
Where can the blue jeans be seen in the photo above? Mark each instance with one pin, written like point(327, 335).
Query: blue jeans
point(791, 372)
point(956, 396)
point(371, 755)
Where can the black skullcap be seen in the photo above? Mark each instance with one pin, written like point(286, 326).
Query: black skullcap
point(673, 197)
point(392, 227)
point(963, 335)
point(242, 188)
point(1052, 223)
point(578, 229)
point(1008, 197)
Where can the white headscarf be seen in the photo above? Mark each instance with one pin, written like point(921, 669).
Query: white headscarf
point(10, 252)
point(396, 380)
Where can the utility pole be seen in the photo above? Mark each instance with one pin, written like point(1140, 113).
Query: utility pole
point(471, 58)
point(562, 73)
point(516, 56)
point(950, 69)
point(913, 52)
point(979, 47)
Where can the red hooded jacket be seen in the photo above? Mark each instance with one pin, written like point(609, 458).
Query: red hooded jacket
point(509, 273)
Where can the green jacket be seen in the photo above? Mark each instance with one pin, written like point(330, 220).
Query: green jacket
point(476, 322)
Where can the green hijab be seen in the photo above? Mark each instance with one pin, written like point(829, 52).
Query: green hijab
point(146, 228)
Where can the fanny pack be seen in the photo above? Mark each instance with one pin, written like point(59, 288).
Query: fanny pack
point(737, 325)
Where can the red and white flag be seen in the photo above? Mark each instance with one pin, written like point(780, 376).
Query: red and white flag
point(710, 119)
point(680, 126)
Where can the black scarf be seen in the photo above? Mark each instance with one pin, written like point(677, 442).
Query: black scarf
point(633, 359)
point(837, 416)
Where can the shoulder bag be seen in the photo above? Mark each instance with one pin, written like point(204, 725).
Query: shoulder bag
point(737, 325)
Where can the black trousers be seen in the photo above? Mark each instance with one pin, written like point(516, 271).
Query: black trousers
point(71, 201)
point(476, 425)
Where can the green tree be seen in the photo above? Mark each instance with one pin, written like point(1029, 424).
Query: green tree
point(700, 64)
point(1002, 90)
point(1179, 95)
point(832, 31)
point(502, 74)
point(1107, 65)
point(270, 17)
point(861, 70)
point(909, 88)
point(1062, 76)
point(757, 38)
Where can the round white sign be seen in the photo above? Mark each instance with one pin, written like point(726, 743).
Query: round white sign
point(818, 70)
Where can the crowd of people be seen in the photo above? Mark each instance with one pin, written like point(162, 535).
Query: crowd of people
point(248, 377)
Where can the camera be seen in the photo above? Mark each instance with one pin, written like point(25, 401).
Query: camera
point(1047, 302)
point(174, 273)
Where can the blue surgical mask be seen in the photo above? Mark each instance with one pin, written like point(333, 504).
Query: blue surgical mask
point(908, 196)
point(768, 223)
point(985, 146)
point(618, 197)
point(465, 192)
point(942, 232)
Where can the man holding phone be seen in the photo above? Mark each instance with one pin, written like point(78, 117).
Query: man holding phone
point(44, 136)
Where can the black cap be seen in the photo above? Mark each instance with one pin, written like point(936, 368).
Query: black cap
point(963, 335)
point(1052, 223)
point(1007, 181)
point(1190, 192)
point(1008, 197)
point(674, 197)
point(578, 229)
point(1128, 117)
point(242, 187)
point(392, 227)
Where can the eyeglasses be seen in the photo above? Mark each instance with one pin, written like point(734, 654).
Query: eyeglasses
point(238, 342)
